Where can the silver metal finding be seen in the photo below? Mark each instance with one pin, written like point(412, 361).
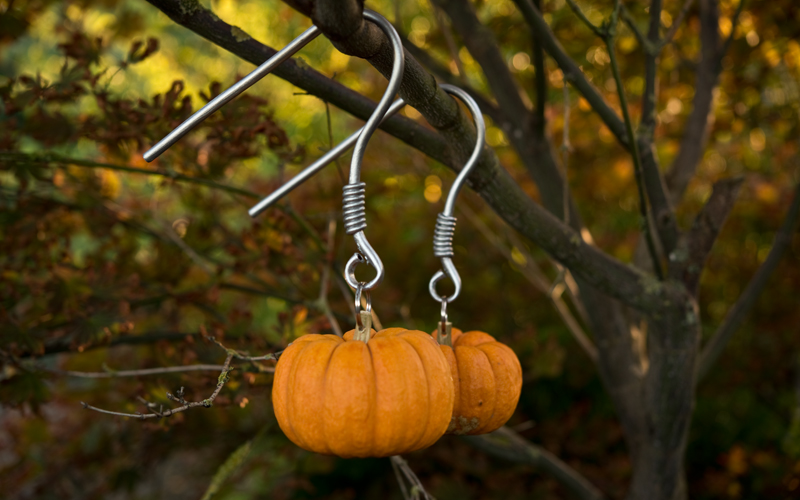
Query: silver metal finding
point(445, 328)
point(446, 222)
point(443, 236)
point(353, 203)
point(318, 165)
point(363, 330)
point(245, 83)
point(354, 207)
point(355, 223)
point(360, 290)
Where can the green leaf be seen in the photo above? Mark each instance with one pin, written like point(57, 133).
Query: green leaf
point(226, 470)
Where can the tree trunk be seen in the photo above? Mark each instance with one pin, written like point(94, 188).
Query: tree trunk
point(673, 341)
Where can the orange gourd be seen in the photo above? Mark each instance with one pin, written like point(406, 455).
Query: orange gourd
point(487, 379)
point(346, 397)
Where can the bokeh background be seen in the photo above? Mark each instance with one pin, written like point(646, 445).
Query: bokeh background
point(103, 268)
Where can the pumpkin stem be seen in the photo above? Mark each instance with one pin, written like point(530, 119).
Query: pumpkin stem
point(365, 328)
point(444, 333)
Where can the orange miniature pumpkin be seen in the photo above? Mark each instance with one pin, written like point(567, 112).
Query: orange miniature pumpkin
point(340, 396)
point(487, 379)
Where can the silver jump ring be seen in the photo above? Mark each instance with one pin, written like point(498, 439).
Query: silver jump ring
point(350, 271)
point(360, 289)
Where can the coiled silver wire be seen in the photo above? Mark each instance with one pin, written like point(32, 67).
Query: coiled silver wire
point(443, 236)
point(354, 207)
point(446, 222)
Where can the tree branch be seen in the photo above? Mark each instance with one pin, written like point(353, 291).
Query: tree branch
point(637, 162)
point(63, 345)
point(690, 263)
point(482, 45)
point(537, 155)
point(545, 36)
point(506, 444)
point(665, 222)
point(726, 45)
point(223, 378)
point(177, 397)
point(687, 5)
point(530, 270)
point(444, 75)
point(489, 179)
point(695, 136)
point(450, 41)
point(648, 123)
point(325, 279)
point(47, 158)
point(647, 47)
point(736, 315)
point(578, 12)
point(539, 119)
point(132, 373)
point(403, 473)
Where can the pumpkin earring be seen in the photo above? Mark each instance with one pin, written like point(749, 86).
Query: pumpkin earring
point(487, 376)
point(368, 394)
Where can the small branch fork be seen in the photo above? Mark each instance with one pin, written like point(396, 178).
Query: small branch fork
point(607, 32)
point(178, 397)
point(738, 312)
point(404, 473)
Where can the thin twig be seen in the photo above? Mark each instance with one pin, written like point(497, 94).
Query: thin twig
point(417, 489)
point(399, 477)
point(330, 141)
point(63, 160)
point(506, 444)
point(47, 158)
point(565, 150)
point(733, 320)
point(687, 5)
point(244, 356)
point(325, 279)
point(450, 40)
point(578, 12)
point(206, 403)
point(631, 22)
point(109, 373)
point(540, 82)
point(637, 161)
point(530, 270)
point(178, 397)
point(734, 21)
point(565, 146)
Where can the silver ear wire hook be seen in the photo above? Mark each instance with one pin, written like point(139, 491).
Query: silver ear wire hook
point(237, 88)
point(446, 222)
point(445, 226)
point(354, 208)
point(318, 165)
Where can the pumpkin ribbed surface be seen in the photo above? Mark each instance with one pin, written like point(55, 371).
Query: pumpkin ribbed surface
point(345, 397)
point(487, 380)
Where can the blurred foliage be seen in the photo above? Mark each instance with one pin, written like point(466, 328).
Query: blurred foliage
point(108, 261)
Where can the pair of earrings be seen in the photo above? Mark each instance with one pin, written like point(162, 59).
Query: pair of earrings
point(394, 391)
